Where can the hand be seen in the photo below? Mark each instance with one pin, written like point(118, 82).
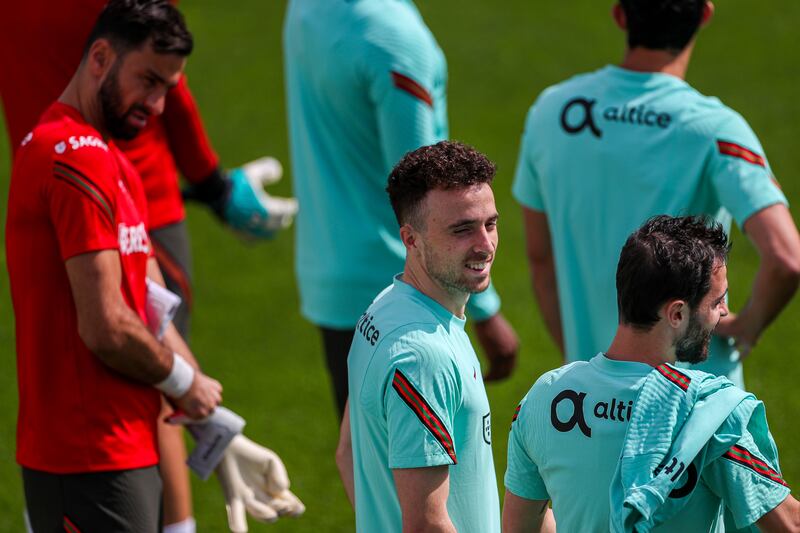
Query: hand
point(250, 210)
point(500, 343)
point(254, 481)
point(201, 398)
point(734, 326)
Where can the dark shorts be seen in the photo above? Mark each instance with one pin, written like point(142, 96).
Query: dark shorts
point(122, 501)
point(174, 255)
point(336, 343)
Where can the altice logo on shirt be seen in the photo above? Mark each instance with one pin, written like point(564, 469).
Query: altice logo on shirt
point(368, 329)
point(133, 239)
point(578, 115)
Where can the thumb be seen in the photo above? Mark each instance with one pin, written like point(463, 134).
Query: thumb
point(237, 517)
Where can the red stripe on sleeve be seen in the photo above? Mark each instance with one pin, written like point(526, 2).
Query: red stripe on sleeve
point(412, 87)
point(736, 150)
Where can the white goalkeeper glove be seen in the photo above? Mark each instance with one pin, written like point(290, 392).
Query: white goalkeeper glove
point(238, 198)
point(255, 482)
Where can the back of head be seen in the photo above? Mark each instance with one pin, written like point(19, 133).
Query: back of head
point(662, 24)
point(130, 24)
point(445, 165)
point(668, 258)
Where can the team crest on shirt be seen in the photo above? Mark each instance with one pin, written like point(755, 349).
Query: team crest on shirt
point(487, 428)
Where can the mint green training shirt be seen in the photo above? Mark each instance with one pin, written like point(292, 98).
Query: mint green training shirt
point(566, 440)
point(365, 83)
point(417, 400)
point(604, 151)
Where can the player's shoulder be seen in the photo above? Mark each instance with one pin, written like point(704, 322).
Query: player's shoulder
point(394, 31)
point(555, 377)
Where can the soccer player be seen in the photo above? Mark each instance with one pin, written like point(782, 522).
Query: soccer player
point(79, 252)
point(41, 44)
point(418, 417)
point(604, 151)
point(365, 83)
point(569, 430)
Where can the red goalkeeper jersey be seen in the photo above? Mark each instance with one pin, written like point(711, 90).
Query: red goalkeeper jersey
point(41, 44)
point(72, 193)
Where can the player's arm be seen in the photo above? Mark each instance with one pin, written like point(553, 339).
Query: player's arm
point(785, 518)
point(422, 493)
point(344, 456)
point(775, 236)
point(523, 515)
point(539, 250)
point(118, 337)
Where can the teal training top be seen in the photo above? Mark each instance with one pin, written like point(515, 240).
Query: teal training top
point(566, 440)
point(604, 151)
point(417, 400)
point(365, 84)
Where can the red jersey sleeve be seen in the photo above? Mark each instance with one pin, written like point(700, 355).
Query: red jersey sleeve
point(187, 136)
point(81, 201)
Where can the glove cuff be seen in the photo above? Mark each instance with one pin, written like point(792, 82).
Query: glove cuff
point(213, 191)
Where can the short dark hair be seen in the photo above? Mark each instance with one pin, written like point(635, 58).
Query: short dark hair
point(129, 24)
point(667, 258)
point(444, 165)
point(662, 24)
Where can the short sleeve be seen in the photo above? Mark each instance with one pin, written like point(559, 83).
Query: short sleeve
point(747, 478)
point(81, 206)
point(407, 88)
point(739, 171)
point(526, 186)
point(421, 401)
point(522, 476)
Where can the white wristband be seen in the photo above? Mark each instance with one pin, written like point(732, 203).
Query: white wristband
point(179, 380)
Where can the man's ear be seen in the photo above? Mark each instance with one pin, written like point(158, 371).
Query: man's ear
point(618, 14)
point(100, 57)
point(409, 236)
point(676, 312)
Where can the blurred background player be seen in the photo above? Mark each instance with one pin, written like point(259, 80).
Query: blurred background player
point(572, 425)
point(35, 74)
point(416, 451)
point(603, 151)
point(365, 83)
point(79, 259)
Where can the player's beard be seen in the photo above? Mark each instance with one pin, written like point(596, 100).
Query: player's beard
point(692, 348)
point(115, 118)
point(450, 275)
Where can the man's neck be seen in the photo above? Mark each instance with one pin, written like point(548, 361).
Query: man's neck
point(77, 95)
point(419, 279)
point(651, 347)
point(647, 60)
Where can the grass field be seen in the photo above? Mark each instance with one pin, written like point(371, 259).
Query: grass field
point(247, 329)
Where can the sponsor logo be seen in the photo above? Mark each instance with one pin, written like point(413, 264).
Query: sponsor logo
point(27, 139)
point(368, 329)
point(81, 141)
point(616, 410)
point(487, 428)
point(578, 115)
point(673, 468)
point(133, 239)
point(61, 147)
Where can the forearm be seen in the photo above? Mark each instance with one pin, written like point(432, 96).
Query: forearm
point(344, 457)
point(123, 342)
point(545, 289)
point(773, 288)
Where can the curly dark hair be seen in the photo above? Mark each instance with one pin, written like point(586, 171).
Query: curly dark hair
point(662, 24)
point(129, 24)
point(444, 165)
point(667, 258)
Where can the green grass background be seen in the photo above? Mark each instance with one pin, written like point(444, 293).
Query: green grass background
point(247, 329)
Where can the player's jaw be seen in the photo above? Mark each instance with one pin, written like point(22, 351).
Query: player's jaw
point(693, 347)
point(120, 123)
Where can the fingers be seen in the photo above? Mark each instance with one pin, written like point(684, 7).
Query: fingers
point(202, 397)
point(237, 517)
point(264, 170)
